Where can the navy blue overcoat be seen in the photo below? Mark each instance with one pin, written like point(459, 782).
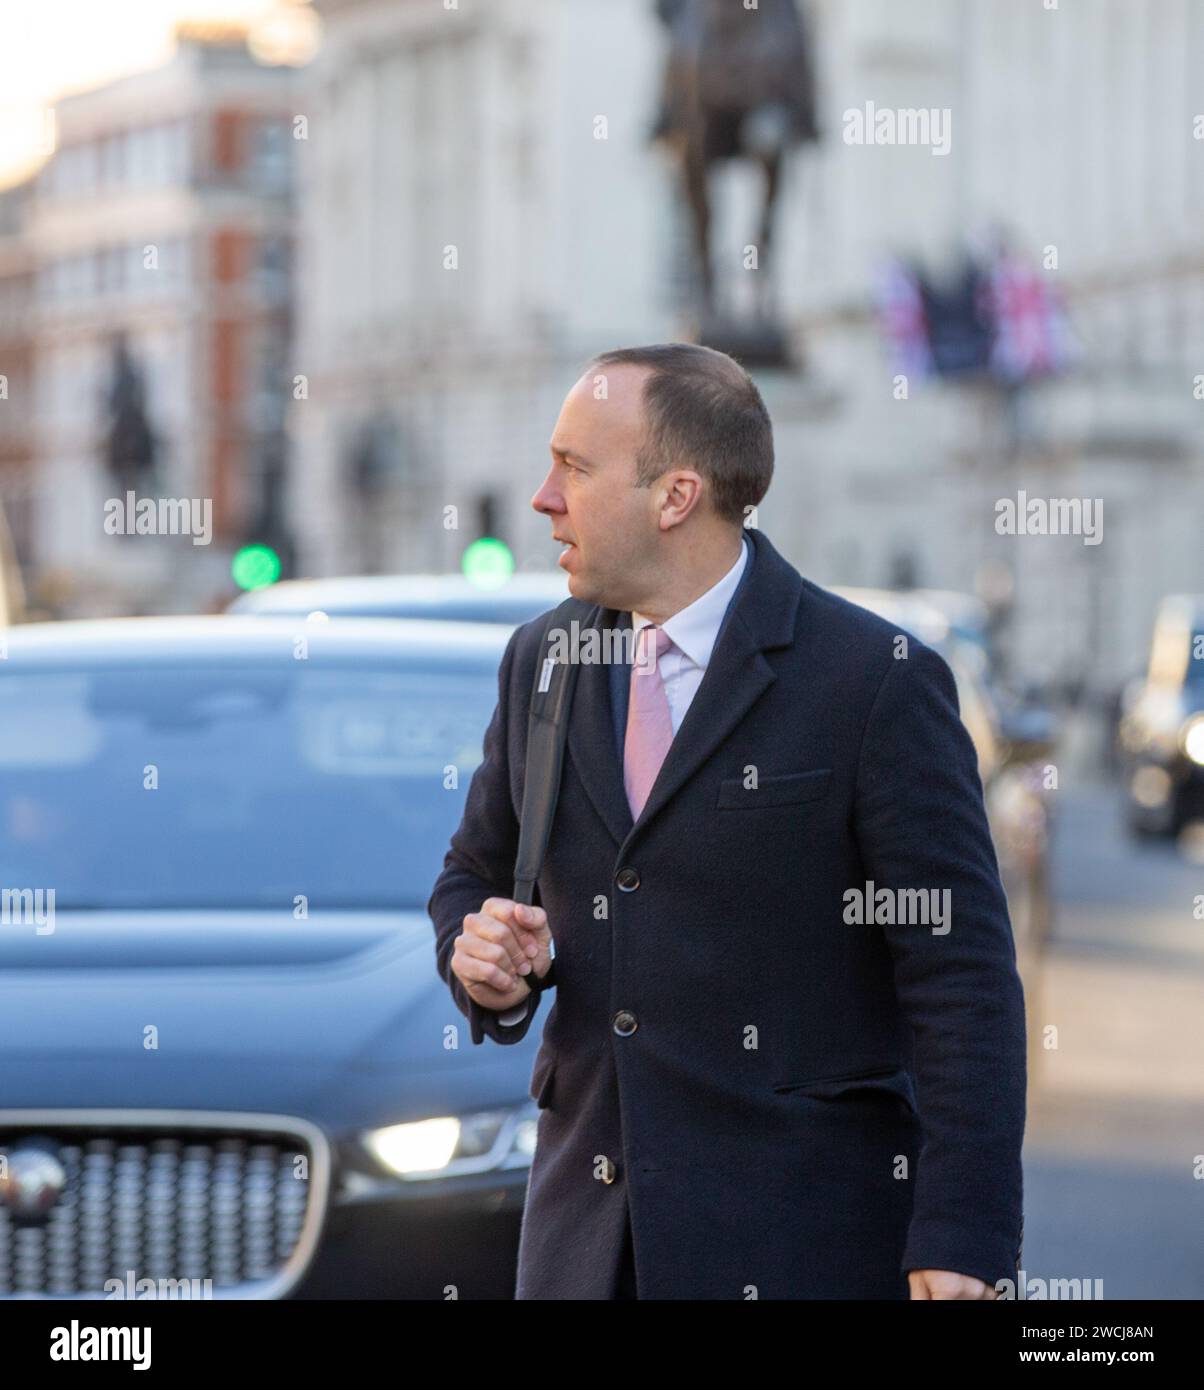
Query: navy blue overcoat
point(807, 1106)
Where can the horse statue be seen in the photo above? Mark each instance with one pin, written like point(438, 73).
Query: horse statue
point(738, 84)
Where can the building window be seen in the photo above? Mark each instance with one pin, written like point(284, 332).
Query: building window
point(271, 156)
point(272, 266)
point(227, 143)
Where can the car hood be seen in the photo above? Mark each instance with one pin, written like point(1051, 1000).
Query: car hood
point(341, 1018)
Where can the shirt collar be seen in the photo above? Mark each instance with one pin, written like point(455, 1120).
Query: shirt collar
point(694, 629)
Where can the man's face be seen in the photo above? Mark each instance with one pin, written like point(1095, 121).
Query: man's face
point(590, 493)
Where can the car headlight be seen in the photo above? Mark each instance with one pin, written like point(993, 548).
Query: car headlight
point(1193, 739)
point(452, 1145)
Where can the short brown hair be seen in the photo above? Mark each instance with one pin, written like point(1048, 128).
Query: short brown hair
point(703, 411)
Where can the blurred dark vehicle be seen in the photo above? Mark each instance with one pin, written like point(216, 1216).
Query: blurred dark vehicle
point(450, 597)
point(1161, 732)
point(228, 1054)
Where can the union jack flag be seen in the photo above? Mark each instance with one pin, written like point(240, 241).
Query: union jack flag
point(1032, 336)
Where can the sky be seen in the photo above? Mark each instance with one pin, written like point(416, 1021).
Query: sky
point(51, 47)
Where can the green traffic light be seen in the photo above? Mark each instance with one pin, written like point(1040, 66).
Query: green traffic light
point(487, 563)
point(255, 567)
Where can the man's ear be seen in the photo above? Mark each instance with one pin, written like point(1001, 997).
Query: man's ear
point(683, 492)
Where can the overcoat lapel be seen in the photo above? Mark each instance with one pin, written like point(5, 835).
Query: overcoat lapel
point(761, 618)
point(591, 739)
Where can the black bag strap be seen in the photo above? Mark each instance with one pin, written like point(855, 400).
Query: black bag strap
point(547, 729)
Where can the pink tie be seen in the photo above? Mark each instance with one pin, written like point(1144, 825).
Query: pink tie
point(649, 723)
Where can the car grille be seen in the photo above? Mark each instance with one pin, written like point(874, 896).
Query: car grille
point(231, 1204)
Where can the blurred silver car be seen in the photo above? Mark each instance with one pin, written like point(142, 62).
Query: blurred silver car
point(446, 597)
point(1011, 760)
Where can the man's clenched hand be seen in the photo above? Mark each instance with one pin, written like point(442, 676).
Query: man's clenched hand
point(498, 946)
point(942, 1283)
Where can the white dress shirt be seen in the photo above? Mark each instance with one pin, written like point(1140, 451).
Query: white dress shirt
point(693, 632)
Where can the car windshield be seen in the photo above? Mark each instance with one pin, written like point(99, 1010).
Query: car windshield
point(235, 786)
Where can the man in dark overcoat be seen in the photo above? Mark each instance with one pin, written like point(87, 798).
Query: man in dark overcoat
point(785, 1053)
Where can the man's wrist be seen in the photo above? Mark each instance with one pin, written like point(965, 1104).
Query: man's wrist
point(515, 1013)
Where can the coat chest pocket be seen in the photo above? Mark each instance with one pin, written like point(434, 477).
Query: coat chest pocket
point(786, 789)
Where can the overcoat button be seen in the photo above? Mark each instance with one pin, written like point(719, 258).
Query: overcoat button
point(625, 1023)
point(628, 880)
